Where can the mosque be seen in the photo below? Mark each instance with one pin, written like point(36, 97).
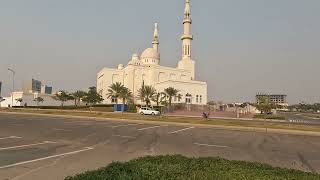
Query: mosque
point(145, 69)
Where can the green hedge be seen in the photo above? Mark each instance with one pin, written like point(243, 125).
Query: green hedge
point(179, 167)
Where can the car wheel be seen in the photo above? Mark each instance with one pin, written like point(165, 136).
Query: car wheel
point(153, 114)
point(142, 113)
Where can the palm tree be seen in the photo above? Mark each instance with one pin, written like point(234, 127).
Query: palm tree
point(38, 100)
point(159, 98)
point(77, 96)
point(114, 91)
point(125, 95)
point(171, 92)
point(146, 94)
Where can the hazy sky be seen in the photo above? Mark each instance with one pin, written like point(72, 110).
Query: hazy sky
point(241, 47)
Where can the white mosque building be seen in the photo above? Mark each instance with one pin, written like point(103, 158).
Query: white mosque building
point(146, 70)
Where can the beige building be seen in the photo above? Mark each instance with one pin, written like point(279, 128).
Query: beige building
point(278, 99)
point(145, 69)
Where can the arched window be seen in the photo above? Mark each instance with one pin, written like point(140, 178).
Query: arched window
point(200, 98)
point(197, 99)
point(188, 98)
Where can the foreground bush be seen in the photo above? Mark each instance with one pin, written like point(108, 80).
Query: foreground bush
point(179, 167)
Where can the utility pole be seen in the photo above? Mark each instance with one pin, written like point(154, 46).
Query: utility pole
point(13, 74)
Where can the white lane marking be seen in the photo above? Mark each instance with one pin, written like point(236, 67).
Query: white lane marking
point(27, 145)
point(130, 137)
point(149, 128)
point(37, 169)
point(211, 145)
point(11, 137)
point(48, 157)
point(126, 125)
point(175, 132)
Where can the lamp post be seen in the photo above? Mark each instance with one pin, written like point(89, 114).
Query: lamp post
point(13, 74)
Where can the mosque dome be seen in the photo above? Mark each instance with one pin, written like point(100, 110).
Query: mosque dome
point(135, 60)
point(150, 56)
point(150, 53)
point(120, 66)
point(135, 57)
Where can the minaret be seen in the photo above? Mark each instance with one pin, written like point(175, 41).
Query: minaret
point(187, 37)
point(186, 62)
point(155, 41)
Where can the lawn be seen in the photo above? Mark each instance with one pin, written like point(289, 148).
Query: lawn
point(183, 168)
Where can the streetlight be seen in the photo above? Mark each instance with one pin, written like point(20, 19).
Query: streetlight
point(13, 74)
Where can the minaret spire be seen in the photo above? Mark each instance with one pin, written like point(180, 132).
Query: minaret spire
point(187, 37)
point(186, 62)
point(187, 10)
point(155, 41)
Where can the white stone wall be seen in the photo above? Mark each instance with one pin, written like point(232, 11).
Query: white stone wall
point(196, 89)
point(29, 99)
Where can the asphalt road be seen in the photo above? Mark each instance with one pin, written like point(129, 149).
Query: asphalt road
point(43, 147)
point(301, 118)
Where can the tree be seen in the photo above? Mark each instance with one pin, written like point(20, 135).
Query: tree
point(114, 91)
point(159, 98)
point(171, 92)
point(92, 97)
point(264, 105)
point(38, 100)
point(146, 94)
point(77, 96)
point(125, 94)
point(62, 96)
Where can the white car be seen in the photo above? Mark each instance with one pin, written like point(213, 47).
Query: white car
point(148, 111)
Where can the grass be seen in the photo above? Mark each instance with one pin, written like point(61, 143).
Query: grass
point(264, 116)
point(190, 120)
point(178, 167)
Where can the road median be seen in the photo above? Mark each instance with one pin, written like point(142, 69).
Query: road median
point(234, 124)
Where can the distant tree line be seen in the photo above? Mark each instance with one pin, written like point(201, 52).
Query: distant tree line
point(91, 97)
point(303, 107)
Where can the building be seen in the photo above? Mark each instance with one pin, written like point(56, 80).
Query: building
point(0, 88)
point(36, 86)
point(32, 86)
point(278, 99)
point(145, 69)
point(31, 90)
point(46, 89)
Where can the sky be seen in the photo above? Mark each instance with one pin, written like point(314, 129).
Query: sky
point(240, 47)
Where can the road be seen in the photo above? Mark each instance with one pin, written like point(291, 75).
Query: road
point(45, 147)
point(302, 118)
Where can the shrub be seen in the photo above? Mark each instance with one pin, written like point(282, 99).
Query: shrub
point(179, 167)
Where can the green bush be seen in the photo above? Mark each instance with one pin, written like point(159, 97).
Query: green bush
point(179, 167)
point(132, 108)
